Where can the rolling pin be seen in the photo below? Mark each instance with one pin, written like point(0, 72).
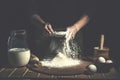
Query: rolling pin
point(102, 42)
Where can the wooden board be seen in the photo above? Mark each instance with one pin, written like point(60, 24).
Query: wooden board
point(78, 69)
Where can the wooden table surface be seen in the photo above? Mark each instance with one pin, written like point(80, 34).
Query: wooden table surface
point(9, 72)
point(26, 73)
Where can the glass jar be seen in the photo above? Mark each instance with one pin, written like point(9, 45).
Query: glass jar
point(18, 51)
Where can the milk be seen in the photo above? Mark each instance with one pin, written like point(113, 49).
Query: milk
point(18, 56)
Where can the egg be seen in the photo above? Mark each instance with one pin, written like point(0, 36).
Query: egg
point(101, 60)
point(109, 61)
point(92, 68)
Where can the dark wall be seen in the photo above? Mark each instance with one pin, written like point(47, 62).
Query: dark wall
point(107, 22)
point(13, 15)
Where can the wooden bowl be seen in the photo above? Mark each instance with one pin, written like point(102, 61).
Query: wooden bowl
point(104, 67)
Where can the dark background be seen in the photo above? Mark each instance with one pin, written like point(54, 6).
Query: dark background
point(106, 21)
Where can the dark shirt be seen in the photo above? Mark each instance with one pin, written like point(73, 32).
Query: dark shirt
point(61, 13)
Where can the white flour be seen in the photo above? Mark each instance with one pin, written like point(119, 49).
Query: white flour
point(63, 58)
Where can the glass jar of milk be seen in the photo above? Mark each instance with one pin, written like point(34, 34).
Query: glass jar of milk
point(18, 51)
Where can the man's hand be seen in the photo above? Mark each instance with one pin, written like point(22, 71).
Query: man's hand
point(49, 28)
point(77, 26)
point(72, 32)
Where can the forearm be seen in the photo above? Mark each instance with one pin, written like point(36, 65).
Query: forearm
point(38, 21)
point(37, 18)
point(80, 23)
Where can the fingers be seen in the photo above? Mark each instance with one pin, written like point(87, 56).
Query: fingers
point(46, 27)
point(73, 35)
point(49, 28)
point(68, 35)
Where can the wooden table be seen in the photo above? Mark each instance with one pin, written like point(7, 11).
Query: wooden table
point(26, 73)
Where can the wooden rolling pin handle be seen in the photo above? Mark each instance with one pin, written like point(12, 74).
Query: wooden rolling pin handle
point(102, 41)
